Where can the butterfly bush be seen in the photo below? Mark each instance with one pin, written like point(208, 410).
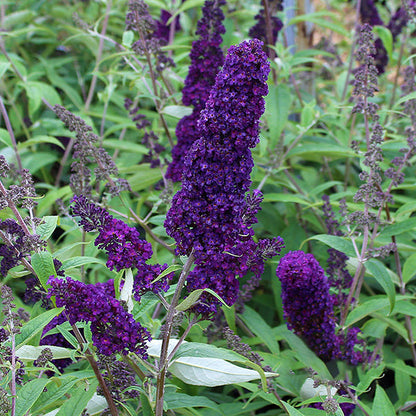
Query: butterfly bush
point(309, 309)
point(124, 247)
point(210, 215)
point(113, 329)
point(206, 59)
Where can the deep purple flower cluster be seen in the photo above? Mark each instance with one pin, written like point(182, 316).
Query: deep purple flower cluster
point(113, 329)
point(162, 28)
point(309, 309)
point(206, 213)
point(123, 245)
point(210, 215)
point(369, 14)
point(307, 303)
point(206, 59)
point(259, 30)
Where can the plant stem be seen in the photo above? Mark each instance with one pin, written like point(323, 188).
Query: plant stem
point(13, 369)
point(98, 375)
point(163, 362)
point(11, 133)
point(99, 55)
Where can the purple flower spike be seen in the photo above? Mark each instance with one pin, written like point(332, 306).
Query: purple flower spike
point(113, 329)
point(206, 59)
point(307, 305)
point(211, 214)
point(309, 310)
point(122, 243)
point(124, 247)
point(206, 213)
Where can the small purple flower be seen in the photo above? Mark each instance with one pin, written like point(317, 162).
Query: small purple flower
point(113, 329)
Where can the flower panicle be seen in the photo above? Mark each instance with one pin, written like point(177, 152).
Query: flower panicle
point(206, 59)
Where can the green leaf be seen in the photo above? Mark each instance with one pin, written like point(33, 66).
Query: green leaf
point(382, 405)
point(308, 114)
point(42, 263)
point(259, 327)
point(35, 326)
point(128, 38)
point(190, 300)
point(36, 91)
point(180, 400)
point(177, 111)
point(144, 177)
point(28, 395)
point(367, 376)
point(80, 261)
point(170, 269)
point(79, 399)
point(146, 407)
point(403, 385)
point(380, 273)
point(5, 138)
point(278, 105)
point(40, 139)
point(197, 349)
point(398, 228)
point(401, 366)
point(318, 18)
point(369, 306)
point(284, 198)
point(38, 160)
point(303, 353)
point(57, 387)
point(30, 352)
point(292, 411)
point(321, 149)
point(212, 372)
point(47, 227)
point(408, 97)
point(409, 268)
point(386, 37)
point(333, 241)
point(124, 145)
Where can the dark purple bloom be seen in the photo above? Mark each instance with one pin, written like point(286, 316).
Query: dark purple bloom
point(309, 309)
point(210, 214)
point(162, 28)
point(206, 59)
point(259, 30)
point(206, 213)
point(307, 304)
point(123, 245)
point(113, 329)
point(369, 13)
